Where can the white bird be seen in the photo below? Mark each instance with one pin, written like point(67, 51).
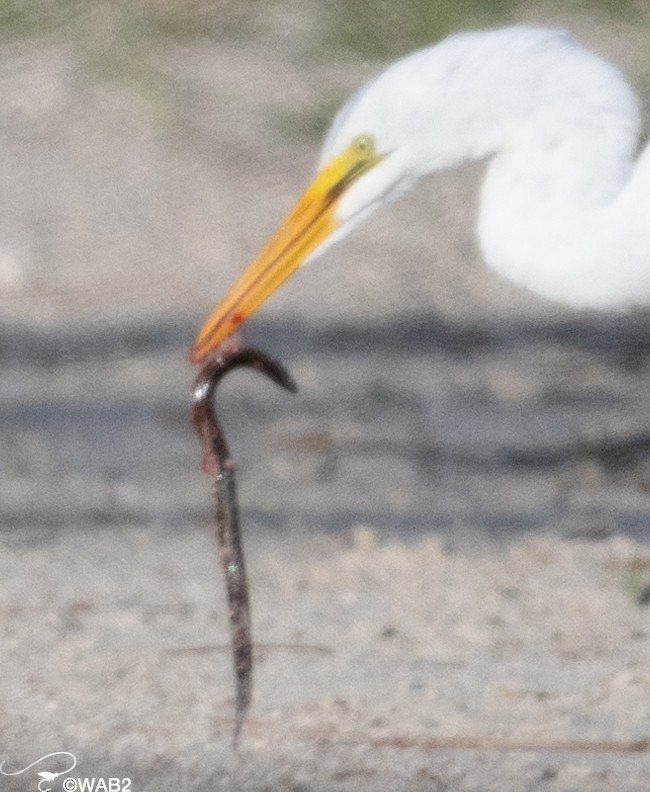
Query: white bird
point(564, 207)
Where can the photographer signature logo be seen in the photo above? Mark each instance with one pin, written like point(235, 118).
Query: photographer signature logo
point(44, 775)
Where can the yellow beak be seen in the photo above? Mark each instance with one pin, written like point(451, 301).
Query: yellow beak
point(308, 224)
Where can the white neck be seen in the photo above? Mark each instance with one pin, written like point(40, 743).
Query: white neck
point(561, 205)
point(564, 207)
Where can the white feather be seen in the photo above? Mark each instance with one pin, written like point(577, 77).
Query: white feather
point(564, 206)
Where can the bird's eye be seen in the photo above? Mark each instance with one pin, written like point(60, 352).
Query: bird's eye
point(364, 144)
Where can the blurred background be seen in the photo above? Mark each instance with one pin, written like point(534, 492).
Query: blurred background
point(147, 148)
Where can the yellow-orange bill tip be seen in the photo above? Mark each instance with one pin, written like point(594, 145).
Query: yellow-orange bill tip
point(309, 223)
point(306, 226)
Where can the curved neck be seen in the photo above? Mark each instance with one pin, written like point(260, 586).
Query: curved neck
point(560, 220)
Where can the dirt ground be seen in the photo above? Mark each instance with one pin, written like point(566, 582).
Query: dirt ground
point(447, 529)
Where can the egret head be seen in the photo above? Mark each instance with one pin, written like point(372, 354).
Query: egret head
point(399, 126)
point(430, 110)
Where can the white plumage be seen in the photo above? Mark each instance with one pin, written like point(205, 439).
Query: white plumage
point(564, 210)
point(564, 204)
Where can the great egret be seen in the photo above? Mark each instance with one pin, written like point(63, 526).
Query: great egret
point(564, 206)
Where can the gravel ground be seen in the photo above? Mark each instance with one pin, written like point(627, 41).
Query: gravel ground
point(447, 529)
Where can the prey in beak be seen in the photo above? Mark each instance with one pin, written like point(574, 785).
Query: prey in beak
point(311, 221)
